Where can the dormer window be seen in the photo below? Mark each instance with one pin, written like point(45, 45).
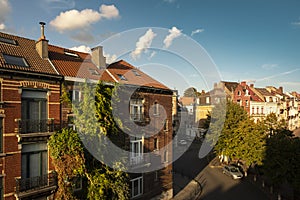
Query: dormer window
point(94, 72)
point(15, 60)
point(239, 93)
point(8, 41)
point(122, 77)
point(135, 72)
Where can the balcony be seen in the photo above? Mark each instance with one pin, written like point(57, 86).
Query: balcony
point(140, 161)
point(36, 186)
point(35, 126)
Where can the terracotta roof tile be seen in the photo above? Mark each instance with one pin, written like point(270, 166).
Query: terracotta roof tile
point(24, 48)
point(132, 75)
point(76, 64)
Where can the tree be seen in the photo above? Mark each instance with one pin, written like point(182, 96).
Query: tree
point(240, 139)
point(190, 92)
point(94, 121)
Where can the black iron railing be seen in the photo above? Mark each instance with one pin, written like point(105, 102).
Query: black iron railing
point(36, 126)
point(36, 183)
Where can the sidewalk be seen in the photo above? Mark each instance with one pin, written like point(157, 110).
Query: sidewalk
point(188, 190)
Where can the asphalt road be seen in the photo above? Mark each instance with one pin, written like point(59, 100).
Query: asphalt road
point(215, 184)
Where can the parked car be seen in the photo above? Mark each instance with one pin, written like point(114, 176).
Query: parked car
point(232, 171)
point(182, 142)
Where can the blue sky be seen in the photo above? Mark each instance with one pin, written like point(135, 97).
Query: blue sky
point(257, 41)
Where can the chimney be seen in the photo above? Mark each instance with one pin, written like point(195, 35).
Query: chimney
point(215, 85)
point(280, 90)
point(243, 83)
point(42, 44)
point(251, 85)
point(97, 57)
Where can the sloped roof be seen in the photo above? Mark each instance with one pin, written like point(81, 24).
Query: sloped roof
point(264, 92)
point(231, 86)
point(24, 48)
point(132, 75)
point(76, 64)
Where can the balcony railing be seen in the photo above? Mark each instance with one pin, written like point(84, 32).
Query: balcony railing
point(35, 126)
point(139, 161)
point(137, 117)
point(33, 184)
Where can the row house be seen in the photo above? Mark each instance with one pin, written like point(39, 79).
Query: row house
point(260, 102)
point(29, 113)
point(34, 75)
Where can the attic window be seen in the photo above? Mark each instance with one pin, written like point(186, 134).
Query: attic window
point(135, 72)
point(71, 54)
point(15, 60)
point(94, 72)
point(122, 77)
point(8, 41)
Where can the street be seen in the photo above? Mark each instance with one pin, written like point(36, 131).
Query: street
point(215, 184)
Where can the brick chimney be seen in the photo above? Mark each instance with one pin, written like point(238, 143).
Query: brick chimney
point(42, 44)
point(98, 58)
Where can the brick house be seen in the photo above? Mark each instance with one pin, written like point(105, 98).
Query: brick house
point(29, 113)
point(77, 67)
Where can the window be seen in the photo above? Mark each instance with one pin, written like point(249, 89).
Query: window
point(75, 95)
point(166, 127)
point(34, 111)
point(122, 77)
point(262, 110)
point(136, 151)
point(257, 110)
point(8, 41)
point(34, 160)
point(156, 108)
point(94, 72)
point(239, 93)
point(166, 156)
point(77, 183)
point(252, 110)
point(247, 103)
point(136, 109)
point(15, 60)
point(136, 186)
point(207, 100)
point(1, 134)
point(135, 72)
point(1, 188)
point(71, 54)
point(155, 144)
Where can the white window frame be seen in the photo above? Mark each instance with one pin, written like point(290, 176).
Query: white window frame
point(136, 109)
point(139, 184)
point(136, 157)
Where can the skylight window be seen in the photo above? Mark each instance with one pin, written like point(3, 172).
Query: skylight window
point(71, 54)
point(15, 60)
point(122, 77)
point(135, 72)
point(94, 72)
point(8, 41)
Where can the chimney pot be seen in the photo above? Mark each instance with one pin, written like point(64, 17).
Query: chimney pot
point(43, 30)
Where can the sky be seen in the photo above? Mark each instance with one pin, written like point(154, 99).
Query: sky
point(181, 43)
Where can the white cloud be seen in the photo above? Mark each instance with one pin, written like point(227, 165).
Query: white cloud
point(110, 58)
point(143, 43)
point(4, 11)
point(109, 11)
point(74, 19)
point(197, 31)
point(269, 66)
point(296, 23)
point(2, 26)
point(82, 48)
point(174, 33)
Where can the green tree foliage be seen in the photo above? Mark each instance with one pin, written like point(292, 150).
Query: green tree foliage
point(67, 155)
point(240, 138)
point(94, 121)
point(190, 92)
point(281, 163)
